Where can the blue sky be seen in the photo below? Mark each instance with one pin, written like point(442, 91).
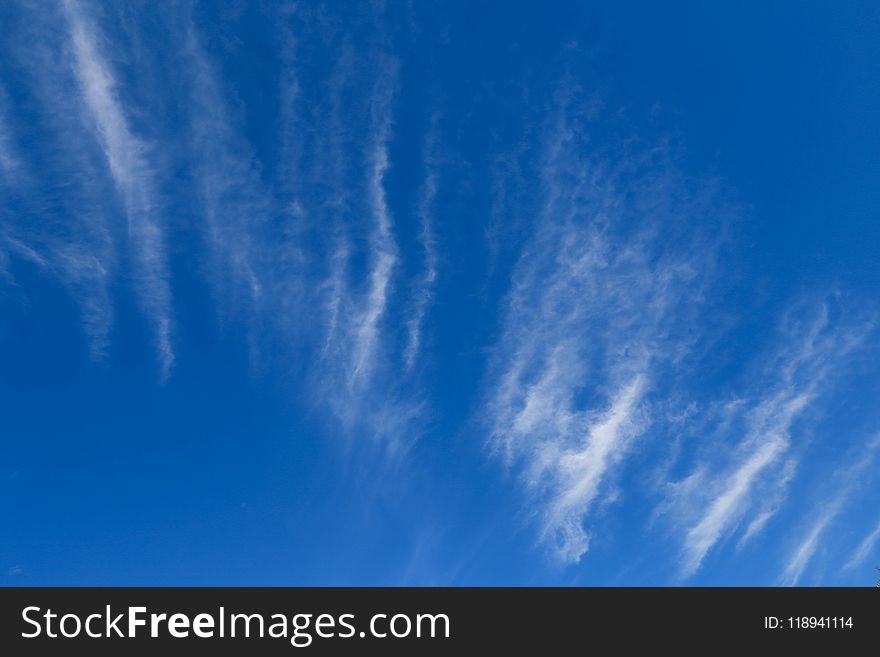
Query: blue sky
point(439, 293)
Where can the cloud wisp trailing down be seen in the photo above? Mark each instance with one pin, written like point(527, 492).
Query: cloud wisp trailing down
point(63, 221)
point(863, 549)
point(357, 369)
point(428, 279)
point(320, 232)
point(741, 479)
point(846, 482)
point(9, 160)
point(126, 158)
point(337, 163)
point(763, 448)
point(233, 205)
point(597, 306)
point(383, 248)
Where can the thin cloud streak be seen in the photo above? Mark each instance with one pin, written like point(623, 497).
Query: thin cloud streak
point(848, 480)
point(357, 373)
point(864, 549)
point(771, 505)
point(233, 204)
point(10, 163)
point(330, 164)
point(725, 494)
point(425, 286)
point(383, 249)
point(767, 441)
point(125, 155)
point(805, 550)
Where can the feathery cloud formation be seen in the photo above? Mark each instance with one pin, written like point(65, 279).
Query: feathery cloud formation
point(598, 307)
point(742, 478)
point(125, 155)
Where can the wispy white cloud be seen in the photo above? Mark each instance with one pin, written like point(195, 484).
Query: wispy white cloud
point(770, 504)
point(80, 270)
point(293, 259)
point(806, 548)
point(596, 310)
point(82, 265)
point(57, 221)
point(864, 549)
point(126, 157)
point(330, 168)
point(846, 481)
point(324, 187)
point(357, 374)
point(580, 472)
point(743, 477)
point(383, 251)
point(425, 286)
point(10, 162)
point(234, 206)
point(763, 447)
